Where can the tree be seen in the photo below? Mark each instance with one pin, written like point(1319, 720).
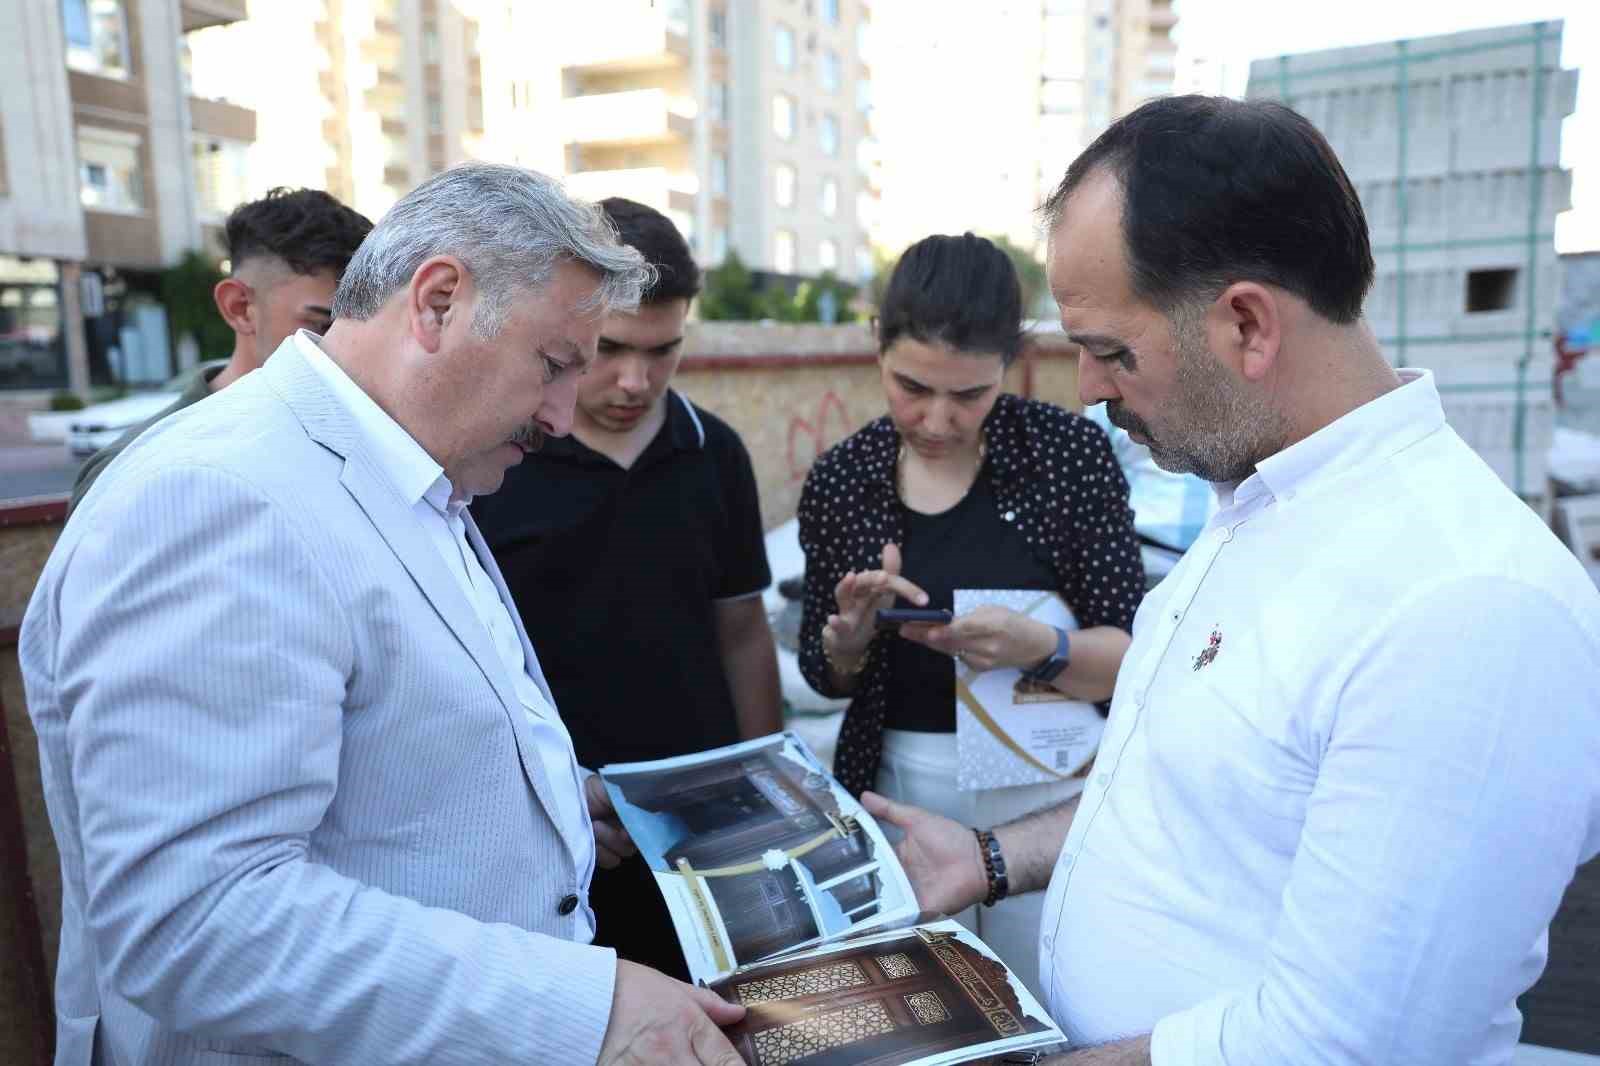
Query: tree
point(1030, 273)
point(186, 294)
point(730, 293)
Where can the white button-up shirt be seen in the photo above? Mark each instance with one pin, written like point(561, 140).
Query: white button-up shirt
point(1351, 764)
point(421, 483)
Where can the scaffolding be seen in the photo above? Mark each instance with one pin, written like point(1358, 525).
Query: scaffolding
point(1453, 143)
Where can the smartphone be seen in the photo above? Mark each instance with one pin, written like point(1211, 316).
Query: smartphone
point(895, 617)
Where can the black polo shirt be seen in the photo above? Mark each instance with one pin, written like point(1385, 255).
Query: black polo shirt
point(615, 573)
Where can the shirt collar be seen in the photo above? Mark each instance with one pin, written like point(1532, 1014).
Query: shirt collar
point(1377, 429)
point(409, 468)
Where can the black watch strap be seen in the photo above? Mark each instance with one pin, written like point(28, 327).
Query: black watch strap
point(1050, 667)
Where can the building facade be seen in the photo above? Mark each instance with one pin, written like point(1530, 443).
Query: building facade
point(111, 170)
point(1454, 145)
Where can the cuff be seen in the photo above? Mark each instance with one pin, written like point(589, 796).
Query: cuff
point(582, 979)
point(1191, 1037)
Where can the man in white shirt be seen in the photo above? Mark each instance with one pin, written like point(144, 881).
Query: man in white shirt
point(312, 795)
point(1350, 763)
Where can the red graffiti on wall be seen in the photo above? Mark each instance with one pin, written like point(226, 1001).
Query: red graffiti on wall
point(810, 437)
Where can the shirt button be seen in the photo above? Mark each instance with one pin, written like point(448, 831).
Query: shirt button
point(1048, 944)
point(568, 904)
point(1103, 779)
point(1011, 516)
point(1066, 864)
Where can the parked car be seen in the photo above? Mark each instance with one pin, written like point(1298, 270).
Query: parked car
point(101, 424)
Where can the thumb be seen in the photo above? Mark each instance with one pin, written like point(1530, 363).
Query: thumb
point(717, 1009)
point(891, 559)
point(885, 809)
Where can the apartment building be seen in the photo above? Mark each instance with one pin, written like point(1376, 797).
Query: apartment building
point(110, 171)
point(746, 122)
point(984, 106)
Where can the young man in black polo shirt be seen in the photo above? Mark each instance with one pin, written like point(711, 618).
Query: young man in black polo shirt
point(634, 552)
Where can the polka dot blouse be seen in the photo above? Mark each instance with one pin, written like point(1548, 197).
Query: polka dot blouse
point(1055, 479)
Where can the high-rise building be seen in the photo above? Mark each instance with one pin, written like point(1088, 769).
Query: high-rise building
point(111, 169)
point(1454, 144)
point(747, 123)
point(983, 106)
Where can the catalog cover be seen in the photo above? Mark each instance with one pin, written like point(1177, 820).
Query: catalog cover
point(934, 995)
point(758, 851)
point(1011, 731)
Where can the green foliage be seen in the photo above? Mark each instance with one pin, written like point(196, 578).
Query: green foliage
point(1030, 273)
point(729, 294)
point(65, 401)
point(186, 294)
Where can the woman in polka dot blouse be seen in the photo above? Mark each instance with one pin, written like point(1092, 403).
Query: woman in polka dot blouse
point(959, 486)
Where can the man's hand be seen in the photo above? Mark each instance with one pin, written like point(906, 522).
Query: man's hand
point(656, 1020)
point(611, 842)
point(940, 855)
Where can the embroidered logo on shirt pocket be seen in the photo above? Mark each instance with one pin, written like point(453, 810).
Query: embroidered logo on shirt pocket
point(1209, 653)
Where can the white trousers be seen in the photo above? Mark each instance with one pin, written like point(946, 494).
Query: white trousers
point(920, 769)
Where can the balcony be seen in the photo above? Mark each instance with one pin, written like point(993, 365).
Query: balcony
point(1162, 17)
point(638, 117)
point(658, 187)
point(218, 118)
point(198, 14)
point(613, 36)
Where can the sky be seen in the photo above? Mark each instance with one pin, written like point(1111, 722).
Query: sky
point(1230, 33)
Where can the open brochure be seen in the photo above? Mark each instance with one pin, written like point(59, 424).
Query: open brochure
point(758, 851)
point(1012, 731)
point(786, 897)
point(930, 996)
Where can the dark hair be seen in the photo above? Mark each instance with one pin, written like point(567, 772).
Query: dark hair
point(306, 228)
point(654, 236)
point(1217, 191)
point(961, 291)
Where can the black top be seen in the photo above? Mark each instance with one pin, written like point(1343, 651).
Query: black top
point(616, 572)
point(1055, 480)
point(967, 547)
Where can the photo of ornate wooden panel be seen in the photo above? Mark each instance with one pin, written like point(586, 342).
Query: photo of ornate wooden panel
point(886, 1003)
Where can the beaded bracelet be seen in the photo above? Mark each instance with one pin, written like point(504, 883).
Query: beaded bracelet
point(994, 867)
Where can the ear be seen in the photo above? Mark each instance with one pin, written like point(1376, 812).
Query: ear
point(439, 292)
point(232, 297)
point(1251, 320)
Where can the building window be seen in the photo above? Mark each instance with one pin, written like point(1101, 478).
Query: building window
point(783, 251)
point(864, 265)
point(828, 71)
point(719, 245)
point(864, 95)
point(435, 114)
point(828, 255)
point(829, 200)
point(784, 180)
point(783, 116)
point(717, 27)
point(828, 135)
point(1491, 290)
point(783, 47)
point(718, 105)
point(830, 12)
point(110, 175)
point(221, 175)
point(430, 45)
point(863, 52)
point(719, 175)
point(97, 36)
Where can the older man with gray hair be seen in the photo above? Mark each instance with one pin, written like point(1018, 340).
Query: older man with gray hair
point(312, 797)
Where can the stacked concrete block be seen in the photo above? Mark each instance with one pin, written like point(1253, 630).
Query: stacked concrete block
point(1454, 144)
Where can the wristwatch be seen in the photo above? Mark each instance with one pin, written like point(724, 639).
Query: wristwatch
point(1050, 667)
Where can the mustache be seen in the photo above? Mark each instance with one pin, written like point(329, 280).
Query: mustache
point(1125, 419)
point(529, 437)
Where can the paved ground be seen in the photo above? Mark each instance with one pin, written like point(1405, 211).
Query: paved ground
point(35, 470)
point(1563, 1009)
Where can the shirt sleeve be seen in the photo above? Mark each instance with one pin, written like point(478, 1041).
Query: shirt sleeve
point(1105, 575)
point(825, 565)
point(744, 546)
point(1455, 797)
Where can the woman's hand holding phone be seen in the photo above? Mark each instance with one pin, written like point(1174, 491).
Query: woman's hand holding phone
point(858, 596)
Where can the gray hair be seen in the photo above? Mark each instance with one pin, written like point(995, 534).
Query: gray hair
point(510, 228)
